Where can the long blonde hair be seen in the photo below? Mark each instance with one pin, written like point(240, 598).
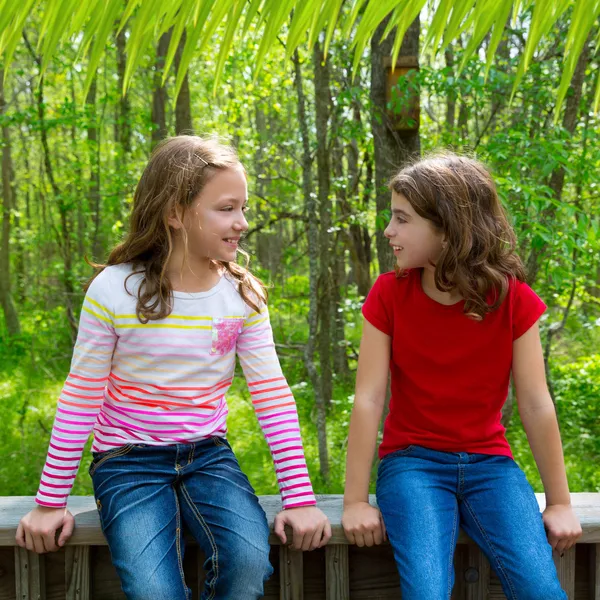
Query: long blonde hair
point(176, 173)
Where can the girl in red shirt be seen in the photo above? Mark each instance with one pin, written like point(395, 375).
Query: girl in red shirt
point(453, 323)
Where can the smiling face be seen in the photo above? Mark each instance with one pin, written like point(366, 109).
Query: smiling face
point(416, 242)
point(215, 221)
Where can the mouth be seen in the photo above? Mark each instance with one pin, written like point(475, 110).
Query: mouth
point(396, 249)
point(232, 242)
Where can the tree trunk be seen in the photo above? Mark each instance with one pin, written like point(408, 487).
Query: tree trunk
point(451, 94)
point(183, 110)
point(393, 149)
point(159, 92)
point(93, 144)
point(311, 212)
point(11, 318)
point(557, 179)
point(322, 104)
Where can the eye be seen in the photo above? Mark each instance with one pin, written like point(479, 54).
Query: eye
point(400, 219)
point(245, 208)
point(227, 208)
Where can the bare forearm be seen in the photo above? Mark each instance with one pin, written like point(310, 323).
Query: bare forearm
point(362, 438)
point(541, 427)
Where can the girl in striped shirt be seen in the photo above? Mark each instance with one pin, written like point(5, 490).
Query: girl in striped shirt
point(160, 327)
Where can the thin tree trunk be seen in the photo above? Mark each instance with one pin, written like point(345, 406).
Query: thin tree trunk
point(159, 92)
point(451, 95)
point(311, 212)
point(11, 318)
point(557, 179)
point(393, 149)
point(93, 143)
point(183, 110)
point(123, 125)
point(322, 104)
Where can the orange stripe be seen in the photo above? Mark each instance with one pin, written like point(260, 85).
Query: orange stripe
point(255, 402)
point(78, 405)
point(266, 381)
point(260, 410)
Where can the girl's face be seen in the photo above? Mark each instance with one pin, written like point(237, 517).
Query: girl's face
point(215, 220)
point(416, 242)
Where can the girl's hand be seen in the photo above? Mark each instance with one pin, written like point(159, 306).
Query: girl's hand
point(363, 524)
point(310, 526)
point(37, 529)
point(562, 526)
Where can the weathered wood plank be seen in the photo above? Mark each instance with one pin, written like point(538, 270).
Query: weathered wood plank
point(77, 572)
point(29, 575)
point(337, 572)
point(565, 567)
point(595, 572)
point(291, 574)
point(477, 574)
point(87, 526)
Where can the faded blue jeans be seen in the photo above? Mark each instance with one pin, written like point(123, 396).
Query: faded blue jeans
point(425, 496)
point(147, 494)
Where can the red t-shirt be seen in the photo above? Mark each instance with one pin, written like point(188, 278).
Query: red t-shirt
point(450, 373)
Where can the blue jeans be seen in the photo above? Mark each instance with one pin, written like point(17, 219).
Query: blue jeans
point(147, 494)
point(425, 496)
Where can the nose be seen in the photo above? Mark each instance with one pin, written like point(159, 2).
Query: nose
point(241, 224)
point(387, 232)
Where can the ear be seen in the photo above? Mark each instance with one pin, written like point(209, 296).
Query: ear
point(444, 242)
point(175, 219)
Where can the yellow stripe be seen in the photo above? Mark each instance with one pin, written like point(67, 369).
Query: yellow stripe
point(255, 323)
point(161, 326)
point(91, 312)
point(183, 317)
point(98, 305)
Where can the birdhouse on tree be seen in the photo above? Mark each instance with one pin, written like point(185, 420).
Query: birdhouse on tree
point(402, 93)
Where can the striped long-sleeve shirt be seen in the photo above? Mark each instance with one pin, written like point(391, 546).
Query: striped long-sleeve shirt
point(165, 382)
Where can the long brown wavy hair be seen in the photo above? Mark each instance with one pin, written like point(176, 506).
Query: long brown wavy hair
point(176, 173)
point(458, 195)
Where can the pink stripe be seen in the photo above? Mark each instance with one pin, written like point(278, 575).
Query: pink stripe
point(287, 449)
point(73, 431)
point(298, 495)
point(52, 495)
point(277, 433)
point(54, 485)
point(88, 397)
point(124, 412)
point(297, 504)
point(301, 467)
point(263, 381)
point(52, 505)
point(76, 413)
point(70, 422)
point(53, 466)
point(275, 415)
point(294, 487)
point(63, 448)
point(63, 459)
point(286, 441)
point(298, 476)
point(297, 457)
point(280, 423)
point(44, 472)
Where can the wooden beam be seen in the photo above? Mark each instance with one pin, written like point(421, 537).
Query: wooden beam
point(29, 575)
point(337, 572)
point(477, 574)
point(595, 572)
point(291, 574)
point(77, 572)
point(565, 567)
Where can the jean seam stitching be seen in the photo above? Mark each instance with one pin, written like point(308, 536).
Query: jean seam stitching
point(452, 546)
point(119, 452)
point(211, 539)
point(491, 549)
point(191, 454)
point(178, 543)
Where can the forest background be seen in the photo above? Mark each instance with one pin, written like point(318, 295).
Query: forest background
point(320, 125)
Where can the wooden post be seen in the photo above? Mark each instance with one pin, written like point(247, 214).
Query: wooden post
point(595, 572)
point(477, 574)
point(29, 575)
point(337, 573)
point(77, 572)
point(291, 575)
point(565, 567)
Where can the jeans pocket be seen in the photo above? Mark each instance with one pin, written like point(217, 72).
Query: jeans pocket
point(219, 441)
point(225, 333)
point(100, 458)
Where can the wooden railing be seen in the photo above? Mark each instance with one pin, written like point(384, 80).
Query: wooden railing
point(83, 571)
